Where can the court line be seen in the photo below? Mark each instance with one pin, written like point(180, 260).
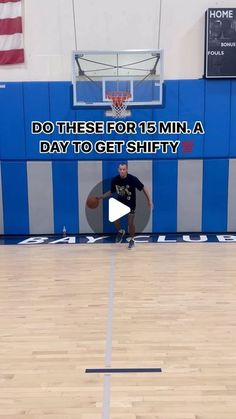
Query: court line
point(108, 351)
point(121, 370)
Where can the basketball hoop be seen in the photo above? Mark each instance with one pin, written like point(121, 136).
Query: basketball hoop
point(119, 103)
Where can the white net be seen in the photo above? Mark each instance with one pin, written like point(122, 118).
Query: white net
point(119, 103)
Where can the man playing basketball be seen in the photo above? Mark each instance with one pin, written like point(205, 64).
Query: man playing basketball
point(125, 186)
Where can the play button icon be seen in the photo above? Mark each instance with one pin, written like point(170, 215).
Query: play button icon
point(97, 218)
point(117, 210)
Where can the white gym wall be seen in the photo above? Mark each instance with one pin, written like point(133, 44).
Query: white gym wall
point(49, 34)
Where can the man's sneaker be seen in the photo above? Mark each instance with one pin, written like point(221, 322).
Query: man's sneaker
point(131, 244)
point(120, 236)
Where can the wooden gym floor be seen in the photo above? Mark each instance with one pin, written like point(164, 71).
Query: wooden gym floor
point(66, 308)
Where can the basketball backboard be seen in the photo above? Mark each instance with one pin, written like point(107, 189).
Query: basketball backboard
point(96, 74)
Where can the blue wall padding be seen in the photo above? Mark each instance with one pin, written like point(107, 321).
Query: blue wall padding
point(12, 112)
point(215, 193)
point(65, 196)
point(232, 150)
point(211, 101)
point(191, 109)
point(165, 195)
point(169, 111)
point(61, 110)
point(15, 197)
point(36, 108)
point(217, 118)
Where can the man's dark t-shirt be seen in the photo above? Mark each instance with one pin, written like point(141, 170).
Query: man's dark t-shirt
point(125, 189)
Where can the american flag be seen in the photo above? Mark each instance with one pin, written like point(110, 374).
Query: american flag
point(11, 37)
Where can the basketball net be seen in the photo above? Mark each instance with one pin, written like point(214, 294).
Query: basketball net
point(119, 103)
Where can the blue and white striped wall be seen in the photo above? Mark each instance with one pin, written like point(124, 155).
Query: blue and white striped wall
point(40, 193)
point(211, 101)
point(39, 197)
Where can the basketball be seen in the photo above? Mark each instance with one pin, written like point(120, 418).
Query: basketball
point(92, 202)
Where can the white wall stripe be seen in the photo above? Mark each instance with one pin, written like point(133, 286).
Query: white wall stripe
point(9, 42)
point(40, 197)
point(90, 175)
point(10, 10)
point(1, 205)
point(189, 198)
point(143, 170)
point(231, 224)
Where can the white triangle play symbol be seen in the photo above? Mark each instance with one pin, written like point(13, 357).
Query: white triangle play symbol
point(117, 209)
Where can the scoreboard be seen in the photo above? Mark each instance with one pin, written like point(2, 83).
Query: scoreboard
point(220, 43)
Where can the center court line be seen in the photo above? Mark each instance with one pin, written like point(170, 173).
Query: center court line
point(108, 352)
point(108, 370)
